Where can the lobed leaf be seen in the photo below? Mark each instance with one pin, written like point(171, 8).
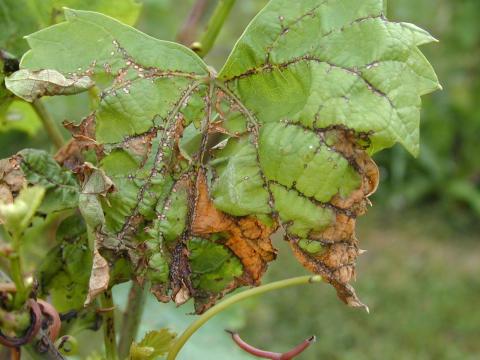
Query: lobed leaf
point(327, 63)
point(22, 17)
point(206, 168)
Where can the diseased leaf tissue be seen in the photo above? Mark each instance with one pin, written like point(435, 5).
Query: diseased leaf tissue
point(195, 171)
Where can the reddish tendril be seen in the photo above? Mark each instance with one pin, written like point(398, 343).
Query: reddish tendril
point(35, 323)
point(54, 319)
point(297, 350)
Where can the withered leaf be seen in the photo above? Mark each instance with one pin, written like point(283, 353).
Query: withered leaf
point(99, 277)
point(206, 167)
point(31, 85)
point(95, 184)
point(12, 180)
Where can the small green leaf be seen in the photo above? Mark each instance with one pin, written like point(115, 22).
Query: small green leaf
point(61, 187)
point(17, 216)
point(153, 345)
point(97, 184)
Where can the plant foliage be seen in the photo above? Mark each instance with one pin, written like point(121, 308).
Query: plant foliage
point(190, 172)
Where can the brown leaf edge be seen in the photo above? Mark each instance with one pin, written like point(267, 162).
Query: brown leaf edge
point(246, 237)
point(336, 263)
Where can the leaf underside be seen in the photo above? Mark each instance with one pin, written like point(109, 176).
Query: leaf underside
point(207, 167)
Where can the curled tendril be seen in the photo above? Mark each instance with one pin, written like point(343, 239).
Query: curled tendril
point(40, 311)
point(54, 322)
point(35, 324)
point(297, 350)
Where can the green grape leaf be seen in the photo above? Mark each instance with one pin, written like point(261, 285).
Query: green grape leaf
point(153, 345)
point(31, 85)
point(334, 63)
point(37, 167)
point(22, 17)
point(206, 168)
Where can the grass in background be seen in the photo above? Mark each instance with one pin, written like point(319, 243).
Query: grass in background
point(419, 279)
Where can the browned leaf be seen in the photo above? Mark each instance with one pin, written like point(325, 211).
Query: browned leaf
point(99, 278)
point(83, 138)
point(336, 263)
point(248, 238)
point(12, 179)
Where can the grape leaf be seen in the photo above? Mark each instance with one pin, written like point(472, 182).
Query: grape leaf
point(22, 17)
point(37, 167)
point(64, 273)
point(207, 167)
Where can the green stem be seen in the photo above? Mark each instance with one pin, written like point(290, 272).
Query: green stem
point(203, 46)
point(131, 319)
point(16, 272)
point(17, 277)
point(109, 336)
point(49, 124)
point(180, 342)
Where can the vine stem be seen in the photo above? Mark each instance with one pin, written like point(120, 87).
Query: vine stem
point(187, 33)
point(197, 324)
point(49, 124)
point(220, 14)
point(131, 319)
point(16, 272)
point(17, 277)
point(109, 335)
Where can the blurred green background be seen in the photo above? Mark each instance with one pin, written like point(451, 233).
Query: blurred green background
point(420, 275)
